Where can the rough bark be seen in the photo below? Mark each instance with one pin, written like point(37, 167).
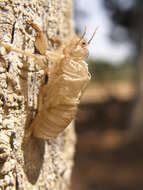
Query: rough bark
point(37, 164)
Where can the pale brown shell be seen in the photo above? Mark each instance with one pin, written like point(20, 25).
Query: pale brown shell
point(59, 100)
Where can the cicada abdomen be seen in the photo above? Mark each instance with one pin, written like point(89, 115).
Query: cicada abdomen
point(58, 104)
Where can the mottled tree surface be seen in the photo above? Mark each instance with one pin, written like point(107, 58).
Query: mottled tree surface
point(36, 164)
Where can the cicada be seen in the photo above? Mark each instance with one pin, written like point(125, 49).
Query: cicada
point(67, 80)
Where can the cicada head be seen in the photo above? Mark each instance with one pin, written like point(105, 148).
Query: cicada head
point(80, 50)
point(78, 47)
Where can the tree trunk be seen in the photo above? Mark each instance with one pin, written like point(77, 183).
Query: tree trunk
point(136, 121)
point(37, 164)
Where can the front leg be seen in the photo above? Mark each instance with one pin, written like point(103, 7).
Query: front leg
point(40, 58)
point(41, 44)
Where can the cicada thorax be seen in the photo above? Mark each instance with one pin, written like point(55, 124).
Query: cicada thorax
point(61, 99)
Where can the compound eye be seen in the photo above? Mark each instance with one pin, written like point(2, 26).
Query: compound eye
point(83, 43)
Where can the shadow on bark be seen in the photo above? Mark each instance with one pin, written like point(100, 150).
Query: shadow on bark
point(33, 158)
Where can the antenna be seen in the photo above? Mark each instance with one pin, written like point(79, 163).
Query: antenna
point(89, 41)
point(85, 28)
point(81, 36)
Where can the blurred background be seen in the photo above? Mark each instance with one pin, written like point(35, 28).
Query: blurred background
point(109, 122)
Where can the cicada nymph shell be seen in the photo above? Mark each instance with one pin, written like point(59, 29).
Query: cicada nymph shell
point(61, 99)
point(58, 100)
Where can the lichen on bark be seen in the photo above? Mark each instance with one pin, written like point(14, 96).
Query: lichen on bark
point(36, 164)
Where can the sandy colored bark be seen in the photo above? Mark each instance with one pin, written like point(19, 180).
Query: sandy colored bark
point(37, 164)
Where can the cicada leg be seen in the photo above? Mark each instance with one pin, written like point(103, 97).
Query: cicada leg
point(41, 42)
point(38, 57)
